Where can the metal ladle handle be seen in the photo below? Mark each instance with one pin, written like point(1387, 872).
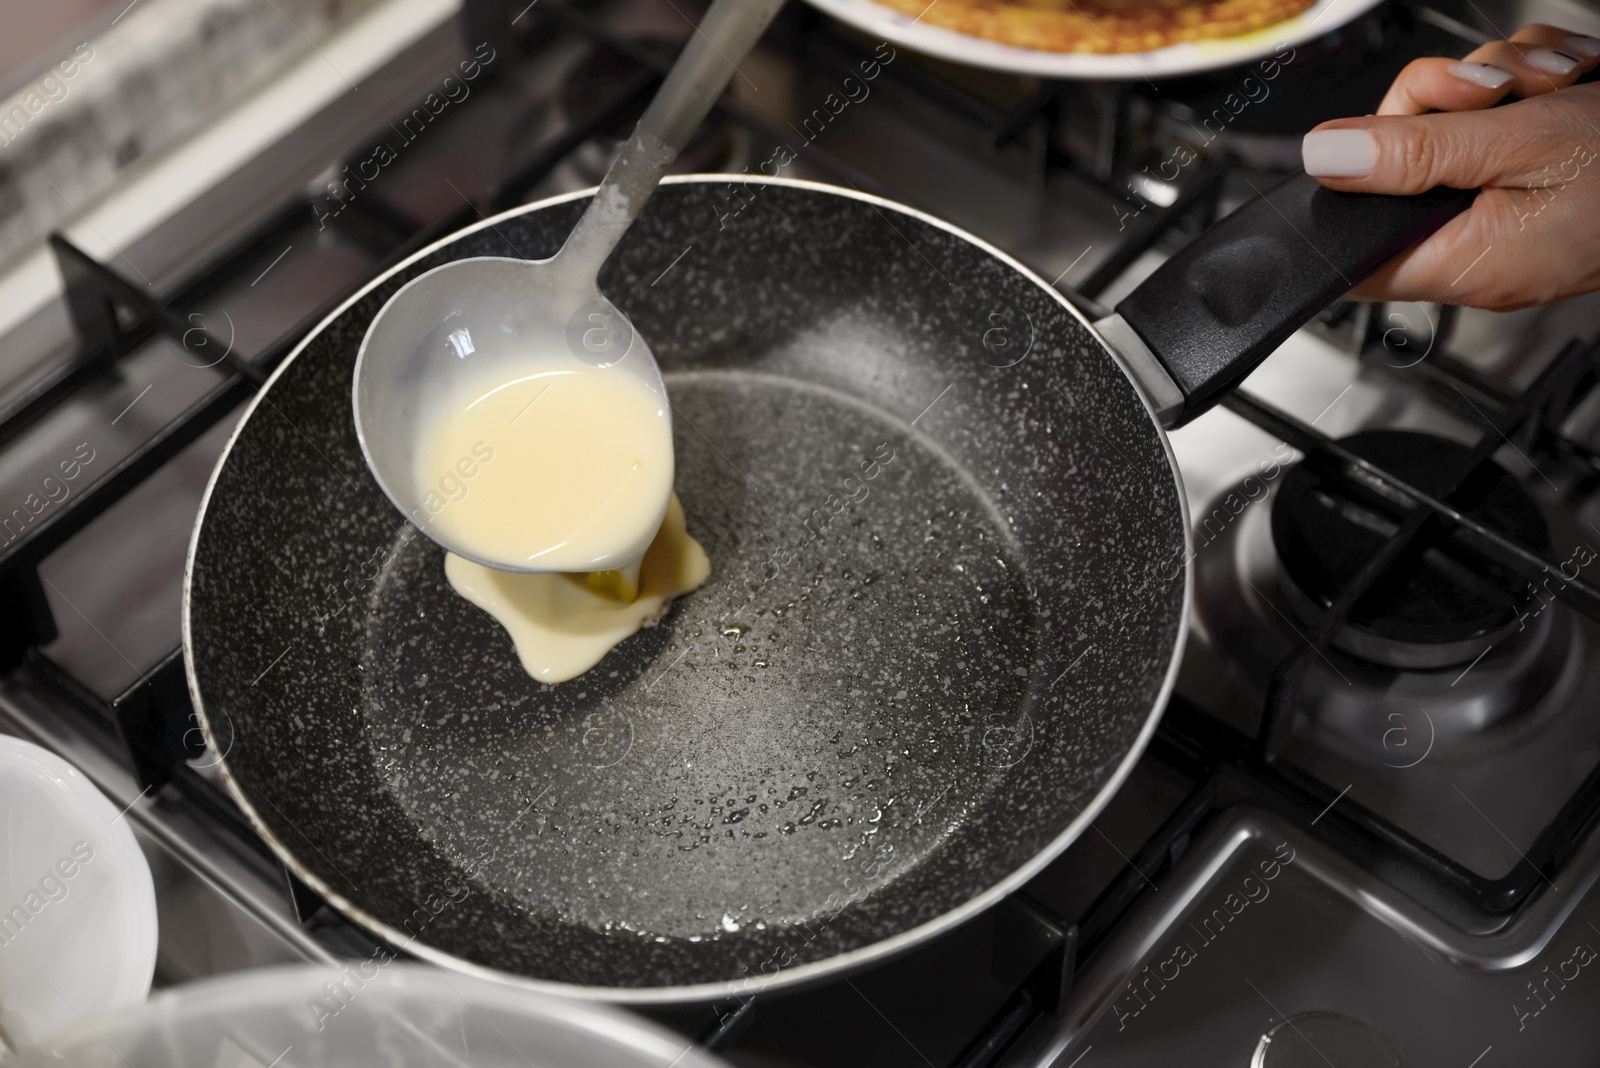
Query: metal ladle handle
point(728, 31)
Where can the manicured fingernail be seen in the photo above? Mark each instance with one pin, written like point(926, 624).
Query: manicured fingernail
point(1484, 74)
point(1339, 153)
point(1549, 60)
point(1581, 45)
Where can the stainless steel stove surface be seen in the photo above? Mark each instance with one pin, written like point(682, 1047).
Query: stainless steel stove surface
point(1264, 926)
point(1365, 833)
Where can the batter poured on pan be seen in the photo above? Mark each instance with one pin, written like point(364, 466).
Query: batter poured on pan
point(563, 624)
point(1101, 25)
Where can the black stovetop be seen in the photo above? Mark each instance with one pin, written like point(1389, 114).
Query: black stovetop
point(1384, 906)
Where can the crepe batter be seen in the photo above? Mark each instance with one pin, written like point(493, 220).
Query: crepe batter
point(561, 624)
point(565, 470)
point(580, 471)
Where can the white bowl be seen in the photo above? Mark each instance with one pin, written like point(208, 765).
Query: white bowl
point(77, 906)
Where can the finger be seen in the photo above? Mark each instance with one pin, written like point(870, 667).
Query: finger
point(1536, 68)
point(1563, 40)
point(1407, 154)
point(1475, 260)
point(1537, 59)
point(1429, 272)
point(1446, 85)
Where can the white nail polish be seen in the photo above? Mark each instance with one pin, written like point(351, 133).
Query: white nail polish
point(1581, 45)
point(1549, 60)
point(1339, 153)
point(1484, 74)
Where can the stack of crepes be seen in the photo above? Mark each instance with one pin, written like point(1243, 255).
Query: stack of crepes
point(1105, 26)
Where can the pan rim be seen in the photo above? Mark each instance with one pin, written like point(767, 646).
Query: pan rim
point(799, 974)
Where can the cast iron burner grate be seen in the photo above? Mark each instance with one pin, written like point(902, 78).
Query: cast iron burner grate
point(1451, 599)
point(1438, 512)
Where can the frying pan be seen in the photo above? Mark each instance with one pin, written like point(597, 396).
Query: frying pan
point(948, 598)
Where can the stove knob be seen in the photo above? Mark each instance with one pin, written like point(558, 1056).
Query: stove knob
point(1320, 1039)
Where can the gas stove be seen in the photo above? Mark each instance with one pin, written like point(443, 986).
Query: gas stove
point(1366, 830)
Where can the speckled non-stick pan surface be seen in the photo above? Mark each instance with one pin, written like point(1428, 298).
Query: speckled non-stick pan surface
point(947, 597)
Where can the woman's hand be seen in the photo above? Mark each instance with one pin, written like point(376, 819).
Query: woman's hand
point(1533, 234)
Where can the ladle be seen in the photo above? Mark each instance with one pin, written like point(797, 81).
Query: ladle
point(488, 316)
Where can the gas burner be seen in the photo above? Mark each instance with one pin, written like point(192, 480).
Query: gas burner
point(1497, 673)
point(1257, 113)
point(604, 73)
point(602, 77)
point(1314, 1039)
point(1450, 602)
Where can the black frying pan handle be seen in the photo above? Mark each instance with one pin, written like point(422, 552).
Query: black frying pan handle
point(1219, 307)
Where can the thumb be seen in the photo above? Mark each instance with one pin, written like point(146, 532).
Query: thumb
point(1406, 154)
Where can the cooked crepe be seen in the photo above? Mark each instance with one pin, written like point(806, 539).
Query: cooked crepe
point(1101, 25)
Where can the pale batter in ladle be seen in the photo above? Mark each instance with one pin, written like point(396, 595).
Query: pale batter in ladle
point(561, 469)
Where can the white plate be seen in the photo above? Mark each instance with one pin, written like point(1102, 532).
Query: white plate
point(898, 28)
point(77, 906)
